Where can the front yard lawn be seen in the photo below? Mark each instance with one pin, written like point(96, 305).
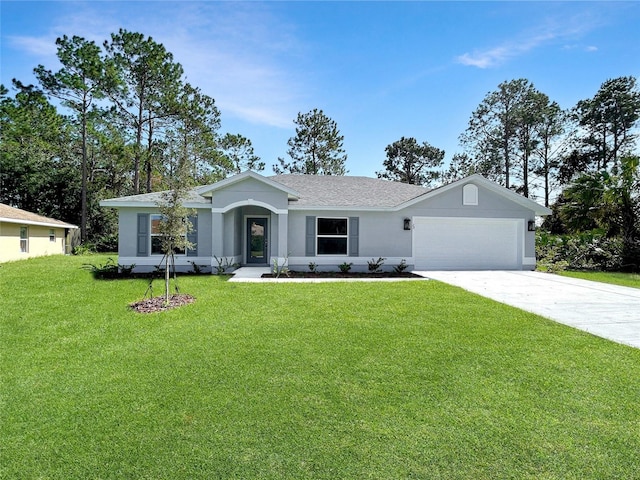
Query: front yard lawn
point(616, 278)
point(279, 381)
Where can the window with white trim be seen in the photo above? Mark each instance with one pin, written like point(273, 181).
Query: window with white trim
point(52, 235)
point(332, 236)
point(156, 237)
point(24, 239)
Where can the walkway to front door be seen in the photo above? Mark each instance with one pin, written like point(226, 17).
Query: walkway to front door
point(257, 240)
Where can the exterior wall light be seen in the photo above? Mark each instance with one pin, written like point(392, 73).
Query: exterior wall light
point(531, 226)
point(407, 224)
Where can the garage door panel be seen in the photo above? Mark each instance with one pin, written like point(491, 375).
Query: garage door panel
point(466, 243)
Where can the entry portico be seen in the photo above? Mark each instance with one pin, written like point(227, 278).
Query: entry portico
point(249, 218)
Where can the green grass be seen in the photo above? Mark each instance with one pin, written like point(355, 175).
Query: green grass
point(324, 381)
point(616, 278)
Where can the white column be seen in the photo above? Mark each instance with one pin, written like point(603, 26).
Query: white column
point(283, 234)
point(217, 229)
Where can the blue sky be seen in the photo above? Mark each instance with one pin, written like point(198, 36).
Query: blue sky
point(381, 70)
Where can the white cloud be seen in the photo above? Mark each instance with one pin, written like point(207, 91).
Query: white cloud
point(591, 48)
point(36, 46)
point(486, 59)
point(496, 56)
point(549, 31)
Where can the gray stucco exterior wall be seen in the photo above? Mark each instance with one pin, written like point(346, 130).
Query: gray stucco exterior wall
point(249, 189)
point(490, 205)
point(380, 232)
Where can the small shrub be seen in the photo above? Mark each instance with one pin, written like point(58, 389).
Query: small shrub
point(84, 249)
point(223, 265)
point(313, 267)
point(584, 251)
point(280, 269)
point(401, 267)
point(109, 269)
point(375, 265)
point(126, 270)
point(345, 267)
point(197, 269)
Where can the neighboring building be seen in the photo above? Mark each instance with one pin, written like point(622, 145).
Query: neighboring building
point(24, 234)
point(250, 219)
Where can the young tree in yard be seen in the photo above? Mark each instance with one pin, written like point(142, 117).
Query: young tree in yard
point(410, 162)
point(146, 95)
point(81, 81)
point(317, 147)
point(175, 224)
point(239, 153)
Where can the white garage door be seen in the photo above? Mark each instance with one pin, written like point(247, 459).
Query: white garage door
point(467, 243)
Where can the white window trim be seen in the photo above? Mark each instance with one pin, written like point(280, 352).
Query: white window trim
point(318, 235)
point(52, 235)
point(151, 235)
point(24, 239)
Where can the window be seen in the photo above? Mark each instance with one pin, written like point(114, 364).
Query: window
point(156, 237)
point(52, 235)
point(332, 236)
point(24, 239)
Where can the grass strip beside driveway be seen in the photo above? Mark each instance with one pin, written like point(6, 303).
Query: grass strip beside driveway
point(615, 278)
point(340, 380)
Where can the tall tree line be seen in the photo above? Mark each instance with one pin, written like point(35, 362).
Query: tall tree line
point(586, 155)
point(126, 116)
point(522, 139)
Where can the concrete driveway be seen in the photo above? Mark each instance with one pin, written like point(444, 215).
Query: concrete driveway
point(608, 311)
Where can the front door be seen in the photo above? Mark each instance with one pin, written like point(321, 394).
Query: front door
point(257, 240)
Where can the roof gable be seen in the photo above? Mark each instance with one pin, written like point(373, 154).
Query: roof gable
point(489, 185)
point(208, 190)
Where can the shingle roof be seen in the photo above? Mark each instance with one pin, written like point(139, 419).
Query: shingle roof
point(17, 215)
point(334, 191)
point(155, 198)
point(313, 190)
point(343, 191)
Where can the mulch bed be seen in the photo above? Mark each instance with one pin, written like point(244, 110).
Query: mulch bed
point(158, 304)
point(343, 275)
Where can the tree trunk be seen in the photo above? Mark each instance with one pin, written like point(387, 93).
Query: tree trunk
point(83, 194)
point(506, 163)
point(166, 280)
point(148, 156)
